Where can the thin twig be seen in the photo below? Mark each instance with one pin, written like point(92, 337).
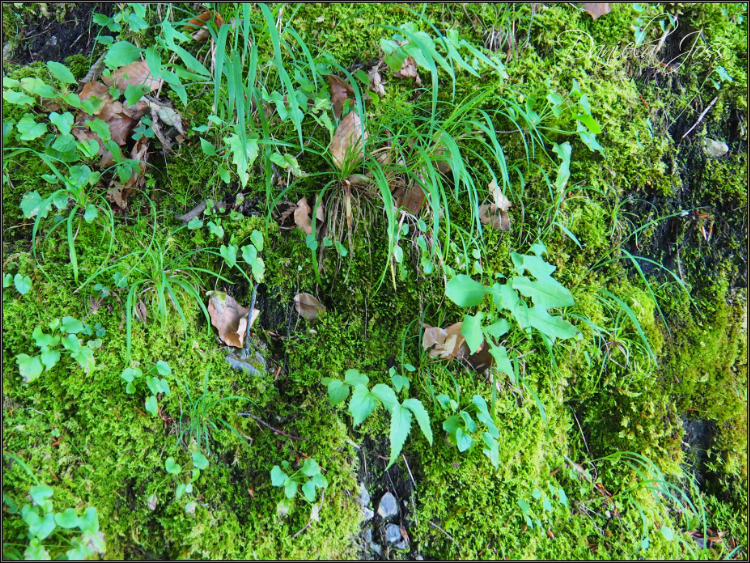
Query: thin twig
point(705, 111)
point(255, 418)
point(246, 351)
point(446, 533)
point(581, 429)
point(303, 529)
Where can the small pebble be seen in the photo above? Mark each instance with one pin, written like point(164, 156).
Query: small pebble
point(368, 513)
point(364, 496)
point(376, 548)
point(367, 535)
point(388, 506)
point(403, 544)
point(392, 533)
point(714, 149)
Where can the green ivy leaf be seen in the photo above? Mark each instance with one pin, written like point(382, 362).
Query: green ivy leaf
point(50, 358)
point(208, 148)
point(229, 253)
point(546, 292)
point(308, 490)
point(200, 461)
point(30, 368)
point(464, 291)
point(257, 238)
point(172, 467)
point(64, 122)
point(463, 440)
point(497, 329)
point(40, 493)
point(492, 450)
point(553, 327)
point(89, 522)
point(91, 213)
point(37, 87)
point(17, 98)
point(30, 129)
point(667, 532)
point(67, 519)
point(22, 283)
point(310, 467)
point(278, 477)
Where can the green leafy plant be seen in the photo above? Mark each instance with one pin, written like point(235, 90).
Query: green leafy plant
point(363, 402)
point(199, 462)
point(155, 384)
point(31, 367)
point(44, 523)
point(201, 419)
point(460, 426)
point(291, 482)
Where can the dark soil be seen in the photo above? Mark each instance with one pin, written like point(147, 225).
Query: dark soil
point(47, 39)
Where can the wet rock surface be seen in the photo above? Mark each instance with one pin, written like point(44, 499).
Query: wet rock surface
point(388, 506)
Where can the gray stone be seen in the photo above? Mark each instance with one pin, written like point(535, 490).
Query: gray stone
point(376, 548)
point(367, 535)
point(418, 557)
point(403, 544)
point(7, 51)
point(388, 506)
point(714, 149)
point(364, 496)
point(392, 533)
point(368, 513)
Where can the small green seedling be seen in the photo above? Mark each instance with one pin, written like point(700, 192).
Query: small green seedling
point(155, 384)
point(460, 426)
point(310, 468)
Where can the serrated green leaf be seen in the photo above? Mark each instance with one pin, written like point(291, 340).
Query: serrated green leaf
point(361, 404)
point(497, 329)
point(385, 395)
point(553, 327)
point(400, 428)
point(423, 418)
point(338, 391)
point(354, 377)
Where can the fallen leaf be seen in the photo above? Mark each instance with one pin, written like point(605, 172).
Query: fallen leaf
point(347, 140)
point(340, 91)
point(133, 74)
point(376, 84)
point(120, 128)
point(409, 70)
point(597, 9)
point(230, 318)
point(201, 35)
point(283, 211)
point(496, 214)
point(98, 90)
point(411, 197)
point(308, 306)
point(139, 153)
point(443, 343)
point(302, 216)
point(202, 19)
point(119, 196)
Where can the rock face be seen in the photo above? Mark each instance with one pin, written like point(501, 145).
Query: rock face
point(714, 149)
point(388, 506)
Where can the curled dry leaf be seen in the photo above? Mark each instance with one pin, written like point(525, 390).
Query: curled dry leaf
point(409, 70)
point(283, 211)
point(302, 216)
point(496, 214)
point(376, 84)
point(202, 19)
point(98, 90)
point(347, 140)
point(133, 74)
point(341, 90)
point(596, 9)
point(308, 306)
point(230, 318)
point(443, 343)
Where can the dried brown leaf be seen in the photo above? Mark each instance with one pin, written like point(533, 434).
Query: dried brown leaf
point(230, 318)
point(139, 153)
point(308, 306)
point(140, 311)
point(409, 70)
point(411, 197)
point(443, 343)
point(119, 195)
point(302, 216)
point(135, 74)
point(98, 90)
point(597, 9)
point(347, 140)
point(376, 84)
point(202, 19)
point(340, 91)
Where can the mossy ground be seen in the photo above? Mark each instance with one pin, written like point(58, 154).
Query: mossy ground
point(598, 398)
